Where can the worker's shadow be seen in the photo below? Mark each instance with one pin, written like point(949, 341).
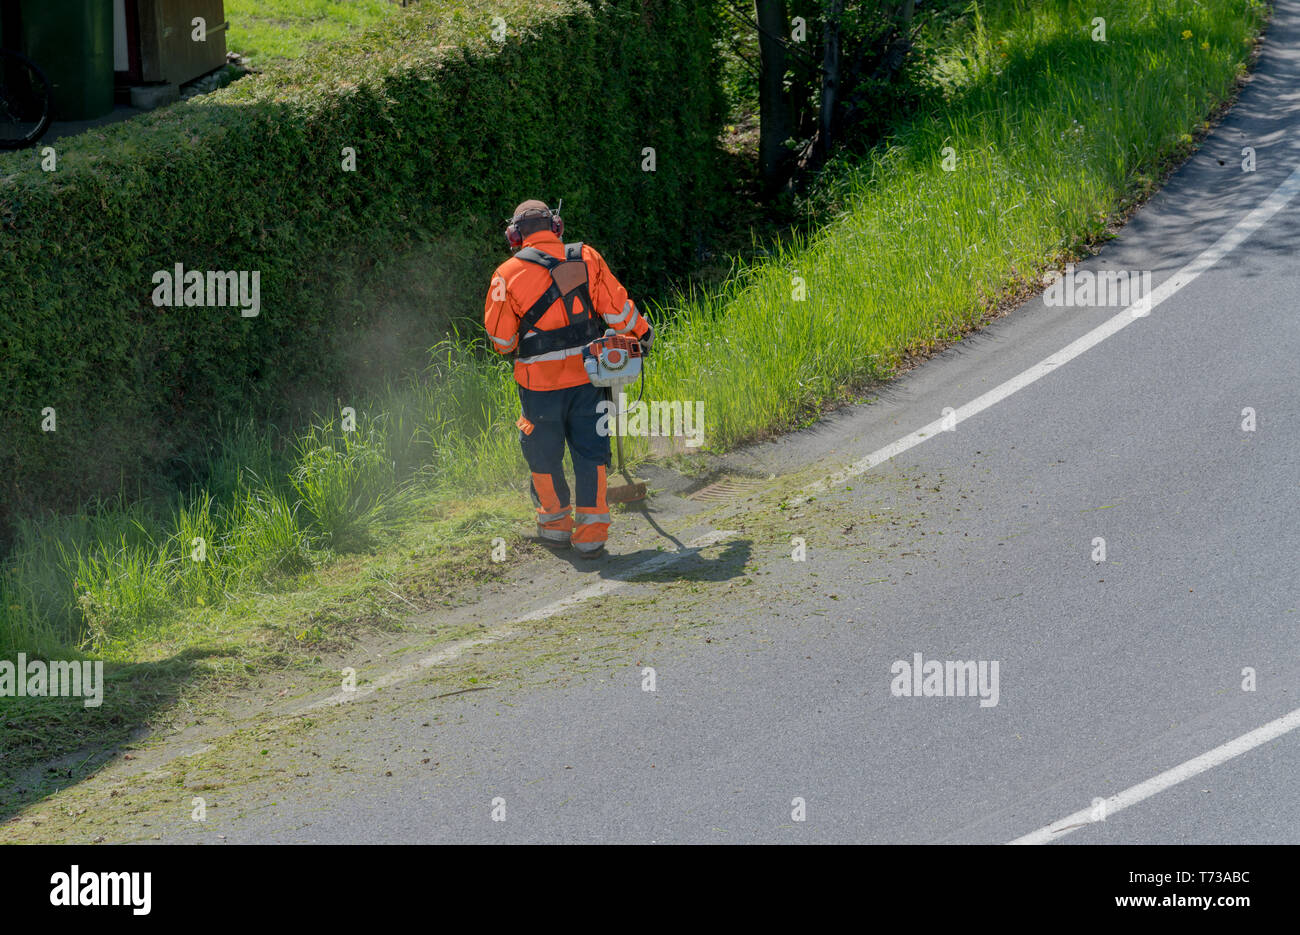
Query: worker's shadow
point(680, 562)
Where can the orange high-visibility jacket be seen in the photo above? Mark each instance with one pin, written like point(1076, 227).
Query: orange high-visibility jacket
point(517, 284)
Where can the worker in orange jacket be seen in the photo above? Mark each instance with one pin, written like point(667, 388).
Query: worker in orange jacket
point(545, 304)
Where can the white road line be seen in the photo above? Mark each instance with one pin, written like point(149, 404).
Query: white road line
point(1171, 777)
point(1252, 222)
point(515, 626)
point(1275, 202)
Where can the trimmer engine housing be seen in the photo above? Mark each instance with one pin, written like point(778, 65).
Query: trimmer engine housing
point(612, 360)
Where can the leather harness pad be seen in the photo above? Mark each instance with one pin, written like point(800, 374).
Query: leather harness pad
point(569, 276)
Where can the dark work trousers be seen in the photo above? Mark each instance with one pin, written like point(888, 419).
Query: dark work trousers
point(552, 418)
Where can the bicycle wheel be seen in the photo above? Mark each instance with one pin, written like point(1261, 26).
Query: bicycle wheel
point(25, 101)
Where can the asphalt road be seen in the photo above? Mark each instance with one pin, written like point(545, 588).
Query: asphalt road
point(773, 676)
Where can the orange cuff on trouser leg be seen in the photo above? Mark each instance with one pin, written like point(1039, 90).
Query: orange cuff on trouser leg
point(592, 528)
point(554, 521)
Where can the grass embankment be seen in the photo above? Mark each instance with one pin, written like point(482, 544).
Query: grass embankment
point(1054, 135)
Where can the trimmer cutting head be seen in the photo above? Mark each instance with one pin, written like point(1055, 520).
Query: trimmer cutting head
point(626, 493)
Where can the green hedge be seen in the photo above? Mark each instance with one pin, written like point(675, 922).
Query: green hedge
point(450, 127)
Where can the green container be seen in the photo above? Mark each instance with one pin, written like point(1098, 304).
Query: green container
point(72, 42)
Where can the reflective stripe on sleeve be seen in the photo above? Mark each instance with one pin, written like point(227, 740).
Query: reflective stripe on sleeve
point(629, 316)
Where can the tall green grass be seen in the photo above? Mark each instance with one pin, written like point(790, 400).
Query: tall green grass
point(1052, 132)
point(270, 508)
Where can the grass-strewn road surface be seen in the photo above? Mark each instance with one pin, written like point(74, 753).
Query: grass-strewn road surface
point(773, 677)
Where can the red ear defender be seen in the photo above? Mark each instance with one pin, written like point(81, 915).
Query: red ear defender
point(533, 209)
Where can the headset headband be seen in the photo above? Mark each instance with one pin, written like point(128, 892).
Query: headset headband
point(516, 239)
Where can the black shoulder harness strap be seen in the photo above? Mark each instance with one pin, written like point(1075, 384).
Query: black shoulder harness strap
point(568, 284)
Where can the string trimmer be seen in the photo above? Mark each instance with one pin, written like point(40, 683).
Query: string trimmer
point(613, 362)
